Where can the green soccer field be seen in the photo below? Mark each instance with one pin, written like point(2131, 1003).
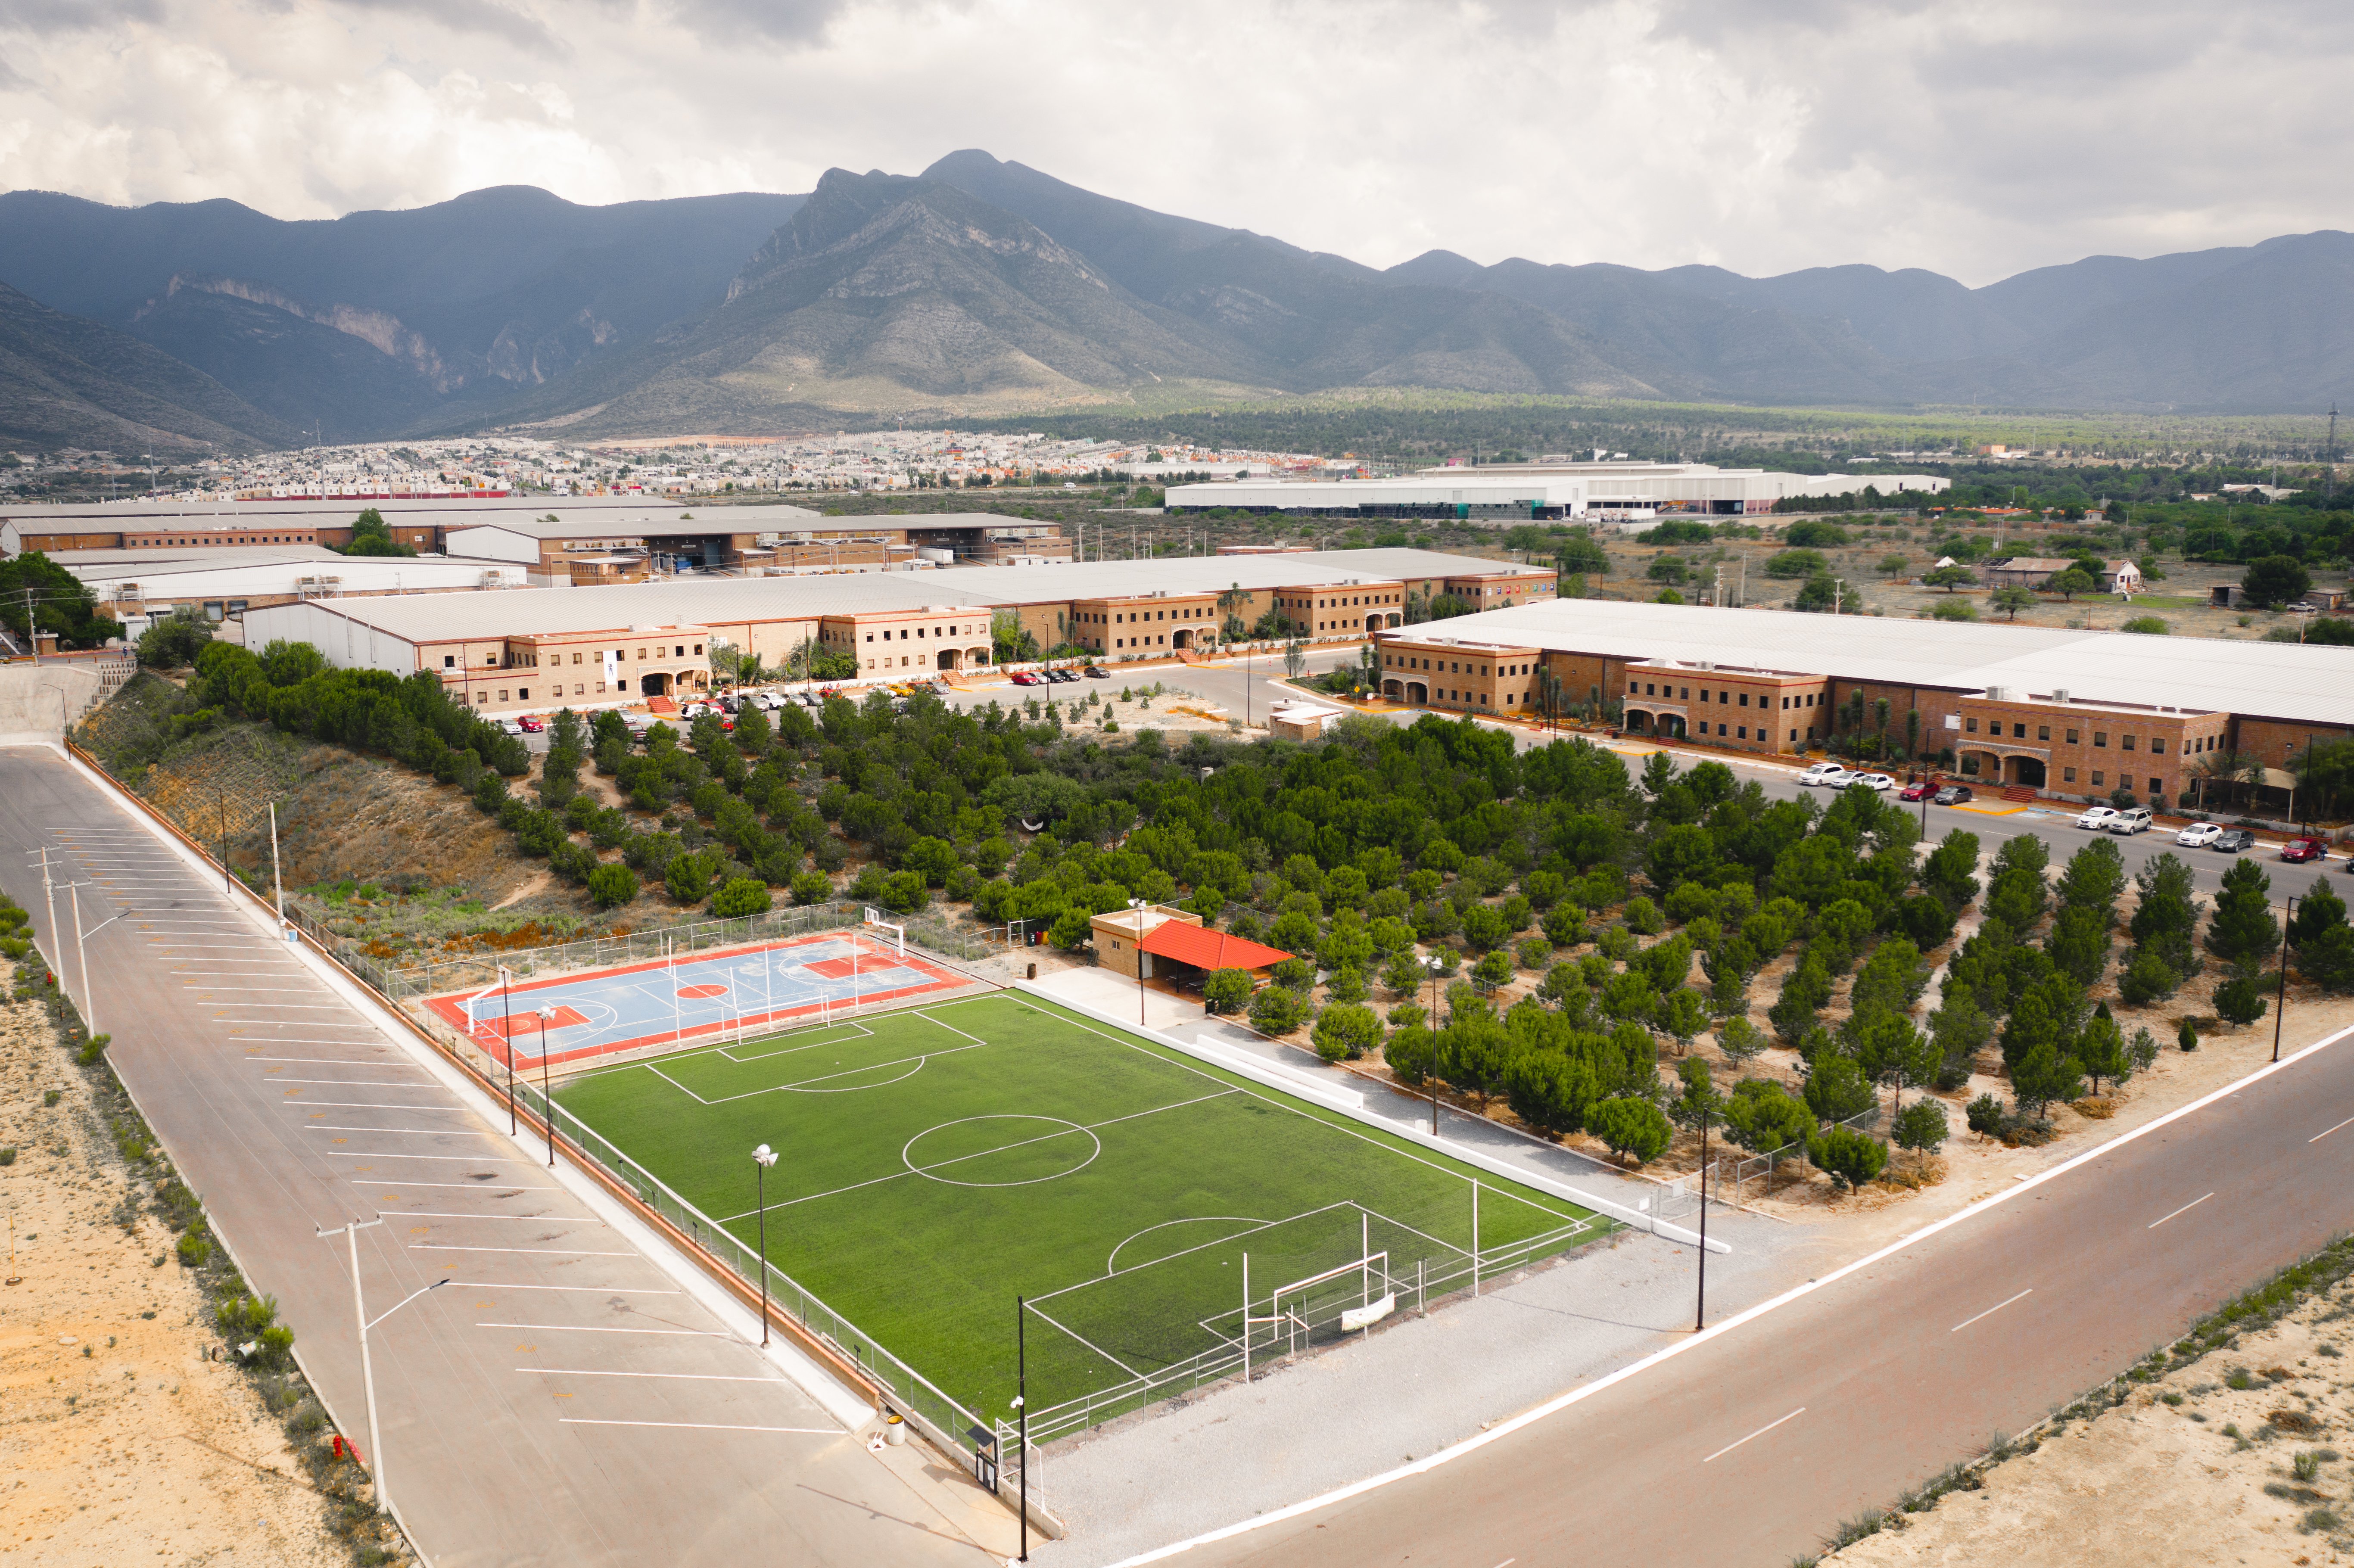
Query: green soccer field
point(936, 1163)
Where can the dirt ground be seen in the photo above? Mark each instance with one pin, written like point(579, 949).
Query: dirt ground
point(119, 1441)
point(2188, 1471)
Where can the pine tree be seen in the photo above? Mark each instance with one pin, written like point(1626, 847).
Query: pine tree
point(2242, 931)
point(2043, 1075)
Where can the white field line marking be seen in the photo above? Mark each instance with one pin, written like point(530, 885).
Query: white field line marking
point(1761, 1431)
point(499, 1187)
point(2184, 1210)
point(302, 1023)
point(802, 1084)
point(287, 1007)
point(265, 990)
point(592, 1289)
point(544, 1219)
point(592, 1328)
point(1267, 1097)
point(1096, 1348)
point(536, 1251)
point(705, 1427)
point(419, 1131)
point(680, 1377)
point(981, 1154)
point(1991, 1310)
point(324, 1061)
point(2324, 1132)
point(1684, 1344)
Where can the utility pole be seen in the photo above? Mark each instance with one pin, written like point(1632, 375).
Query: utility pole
point(2280, 1002)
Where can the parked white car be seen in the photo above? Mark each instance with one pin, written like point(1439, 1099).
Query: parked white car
point(2198, 836)
point(2133, 821)
point(1880, 781)
point(2097, 817)
point(1821, 773)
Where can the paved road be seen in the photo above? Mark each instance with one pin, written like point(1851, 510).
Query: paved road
point(1751, 1445)
point(562, 1398)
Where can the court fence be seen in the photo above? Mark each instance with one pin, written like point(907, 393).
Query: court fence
point(1357, 1266)
point(947, 1423)
point(1736, 1178)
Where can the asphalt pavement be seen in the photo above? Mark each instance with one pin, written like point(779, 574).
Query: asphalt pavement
point(1748, 1444)
point(558, 1393)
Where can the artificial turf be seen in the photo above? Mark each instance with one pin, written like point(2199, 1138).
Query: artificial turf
point(1047, 1145)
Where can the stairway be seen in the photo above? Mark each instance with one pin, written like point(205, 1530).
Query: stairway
point(2022, 794)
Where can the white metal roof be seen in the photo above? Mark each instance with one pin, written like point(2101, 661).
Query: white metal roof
point(2277, 680)
point(724, 600)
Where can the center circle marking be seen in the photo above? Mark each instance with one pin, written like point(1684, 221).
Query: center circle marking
point(1094, 1148)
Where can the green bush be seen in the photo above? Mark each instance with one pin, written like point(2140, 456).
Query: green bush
point(611, 886)
point(9, 1154)
point(93, 1049)
point(1346, 1031)
point(1921, 1126)
point(1850, 1158)
point(741, 895)
point(812, 887)
point(1226, 991)
point(1277, 1010)
point(194, 1249)
point(1634, 1128)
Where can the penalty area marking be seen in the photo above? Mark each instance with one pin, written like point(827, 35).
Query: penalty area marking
point(1111, 1264)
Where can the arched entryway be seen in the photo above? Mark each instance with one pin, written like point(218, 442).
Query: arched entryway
point(1665, 723)
point(1393, 689)
point(2027, 770)
point(1181, 638)
point(1418, 692)
point(947, 659)
point(656, 684)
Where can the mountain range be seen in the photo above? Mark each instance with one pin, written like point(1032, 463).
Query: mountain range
point(984, 287)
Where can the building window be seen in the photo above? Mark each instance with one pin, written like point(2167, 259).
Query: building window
point(2125, 742)
point(2100, 738)
point(1744, 702)
point(2019, 732)
point(2157, 746)
point(1744, 733)
point(641, 652)
point(576, 658)
point(2069, 774)
point(2043, 732)
point(2072, 737)
point(482, 697)
point(2096, 776)
point(449, 661)
point(502, 695)
point(1970, 724)
point(2157, 789)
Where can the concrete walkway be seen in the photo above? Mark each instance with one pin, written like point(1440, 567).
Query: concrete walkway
point(1417, 1384)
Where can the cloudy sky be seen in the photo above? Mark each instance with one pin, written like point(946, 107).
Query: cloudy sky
point(1974, 137)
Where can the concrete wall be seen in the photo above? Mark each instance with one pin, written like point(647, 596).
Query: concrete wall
point(41, 701)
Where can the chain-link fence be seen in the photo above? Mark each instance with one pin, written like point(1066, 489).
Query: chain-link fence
point(1256, 1296)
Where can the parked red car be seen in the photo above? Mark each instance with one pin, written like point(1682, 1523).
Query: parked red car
point(1919, 789)
point(532, 723)
point(2304, 849)
point(1025, 678)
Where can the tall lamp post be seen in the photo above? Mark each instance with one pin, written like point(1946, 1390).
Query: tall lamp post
point(351, 1234)
point(1135, 907)
point(1431, 963)
point(2280, 1002)
point(546, 1095)
point(506, 1040)
point(1022, 1417)
point(763, 1158)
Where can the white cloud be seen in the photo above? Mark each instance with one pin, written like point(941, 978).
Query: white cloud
point(1974, 139)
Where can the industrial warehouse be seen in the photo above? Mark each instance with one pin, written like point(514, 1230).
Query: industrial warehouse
point(1499, 491)
point(502, 651)
point(2073, 713)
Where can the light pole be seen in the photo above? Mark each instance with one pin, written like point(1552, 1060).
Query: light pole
point(1700, 1313)
point(351, 1234)
point(546, 1095)
point(81, 954)
point(762, 1158)
point(1136, 908)
point(2280, 1002)
point(1430, 962)
point(1021, 1416)
point(507, 1041)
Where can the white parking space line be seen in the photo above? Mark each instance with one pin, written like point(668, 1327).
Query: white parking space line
point(1991, 1310)
point(466, 1159)
point(298, 1103)
point(2184, 1210)
point(592, 1289)
point(2324, 1132)
point(677, 1377)
point(704, 1426)
point(500, 1188)
point(539, 1219)
point(419, 1131)
point(346, 1082)
point(534, 1251)
point(288, 1007)
point(1761, 1431)
point(325, 1060)
point(593, 1329)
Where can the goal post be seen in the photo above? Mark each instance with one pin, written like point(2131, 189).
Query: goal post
point(898, 932)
